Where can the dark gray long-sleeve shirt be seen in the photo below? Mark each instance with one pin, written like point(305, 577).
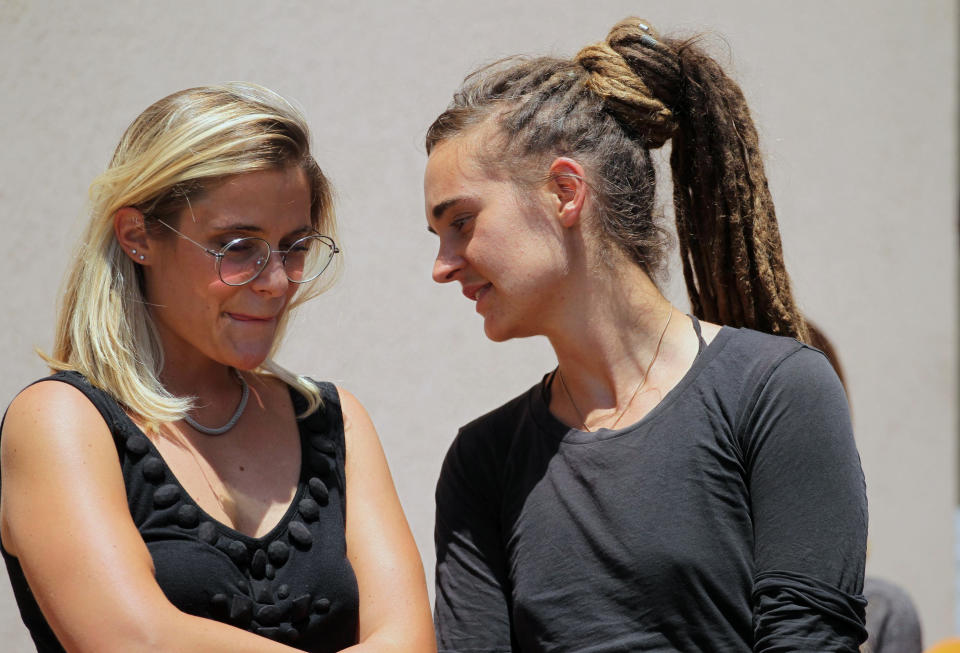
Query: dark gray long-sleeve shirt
point(731, 518)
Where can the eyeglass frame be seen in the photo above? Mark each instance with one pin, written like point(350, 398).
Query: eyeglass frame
point(283, 254)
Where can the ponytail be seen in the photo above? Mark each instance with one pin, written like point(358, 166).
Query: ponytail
point(608, 107)
point(726, 224)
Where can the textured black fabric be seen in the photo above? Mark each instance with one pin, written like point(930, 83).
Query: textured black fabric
point(294, 584)
point(731, 518)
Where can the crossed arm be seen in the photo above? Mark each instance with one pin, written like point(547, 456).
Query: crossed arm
point(64, 515)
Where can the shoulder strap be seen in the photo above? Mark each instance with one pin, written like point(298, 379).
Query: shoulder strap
point(702, 344)
point(322, 434)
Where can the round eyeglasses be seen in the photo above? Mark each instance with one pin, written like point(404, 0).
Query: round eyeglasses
point(243, 259)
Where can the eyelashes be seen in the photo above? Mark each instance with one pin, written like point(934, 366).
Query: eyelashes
point(458, 223)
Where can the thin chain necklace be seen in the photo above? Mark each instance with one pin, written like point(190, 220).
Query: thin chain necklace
point(220, 430)
point(636, 390)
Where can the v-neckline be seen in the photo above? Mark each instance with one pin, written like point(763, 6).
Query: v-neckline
point(278, 528)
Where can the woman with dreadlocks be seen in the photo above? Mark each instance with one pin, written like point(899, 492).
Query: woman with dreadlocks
point(678, 482)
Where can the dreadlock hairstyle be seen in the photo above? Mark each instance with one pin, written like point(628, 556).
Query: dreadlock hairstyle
point(607, 108)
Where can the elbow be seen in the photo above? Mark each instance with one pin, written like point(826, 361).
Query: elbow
point(411, 636)
point(111, 641)
point(422, 640)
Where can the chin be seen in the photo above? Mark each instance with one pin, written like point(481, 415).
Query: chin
point(246, 360)
point(247, 366)
point(503, 332)
point(496, 337)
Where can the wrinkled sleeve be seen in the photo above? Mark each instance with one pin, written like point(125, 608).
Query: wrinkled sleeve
point(808, 500)
point(472, 611)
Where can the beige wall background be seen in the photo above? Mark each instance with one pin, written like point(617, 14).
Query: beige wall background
point(855, 102)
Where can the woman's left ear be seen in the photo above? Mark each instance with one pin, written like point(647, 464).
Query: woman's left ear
point(569, 188)
point(132, 235)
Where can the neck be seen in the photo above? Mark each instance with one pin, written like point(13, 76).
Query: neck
point(610, 332)
point(213, 384)
point(221, 396)
point(611, 324)
point(207, 383)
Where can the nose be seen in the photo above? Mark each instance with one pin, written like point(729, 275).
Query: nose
point(447, 264)
point(272, 280)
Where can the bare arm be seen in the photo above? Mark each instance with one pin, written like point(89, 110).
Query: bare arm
point(64, 515)
point(394, 609)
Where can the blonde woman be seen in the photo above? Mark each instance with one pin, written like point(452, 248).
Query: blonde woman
point(170, 488)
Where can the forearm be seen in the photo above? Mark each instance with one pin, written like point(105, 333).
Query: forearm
point(171, 631)
point(421, 642)
point(401, 626)
point(207, 635)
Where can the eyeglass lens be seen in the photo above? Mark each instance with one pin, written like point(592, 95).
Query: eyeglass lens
point(243, 259)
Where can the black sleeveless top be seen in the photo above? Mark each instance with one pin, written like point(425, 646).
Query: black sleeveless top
point(294, 584)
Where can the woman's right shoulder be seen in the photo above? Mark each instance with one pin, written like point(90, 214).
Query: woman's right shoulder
point(509, 414)
point(53, 400)
point(484, 444)
point(47, 417)
point(54, 443)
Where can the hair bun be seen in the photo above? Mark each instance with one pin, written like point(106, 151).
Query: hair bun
point(634, 73)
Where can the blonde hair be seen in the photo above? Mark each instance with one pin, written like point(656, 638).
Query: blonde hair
point(181, 146)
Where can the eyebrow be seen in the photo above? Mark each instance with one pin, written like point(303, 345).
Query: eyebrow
point(440, 208)
point(257, 229)
point(445, 205)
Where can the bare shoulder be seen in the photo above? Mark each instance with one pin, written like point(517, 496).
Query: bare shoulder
point(355, 416)
point(363, 447)
point(50, 425)
point(49, 409)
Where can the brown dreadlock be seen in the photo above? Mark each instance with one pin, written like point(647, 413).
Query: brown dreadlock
point(607, 108)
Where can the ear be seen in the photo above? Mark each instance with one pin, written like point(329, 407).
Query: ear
point(568, 187)
point(132, 235)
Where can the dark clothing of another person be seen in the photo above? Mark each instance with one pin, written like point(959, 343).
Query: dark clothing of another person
point(294, 584)
point(893, 625)
point(732, 517)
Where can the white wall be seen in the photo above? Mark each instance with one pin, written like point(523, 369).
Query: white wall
point(855, 101)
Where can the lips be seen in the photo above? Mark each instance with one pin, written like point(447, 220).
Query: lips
point(242, 317)
point(476, 291)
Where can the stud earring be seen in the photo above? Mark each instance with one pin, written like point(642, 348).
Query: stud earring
point(141, 257)
point(133, 251)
